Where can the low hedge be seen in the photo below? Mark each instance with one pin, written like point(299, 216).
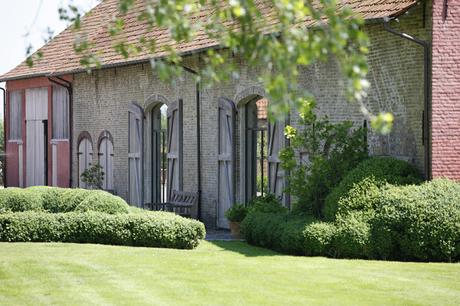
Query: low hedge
point(277, 231)
point(413, 222)
point(318, 239)
point(60, 200)
point(152, 229)
point(418, 222)
point(382, 170)
point(103, 202)
point(17, 199)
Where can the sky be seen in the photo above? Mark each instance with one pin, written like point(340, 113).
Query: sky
point(19, 17)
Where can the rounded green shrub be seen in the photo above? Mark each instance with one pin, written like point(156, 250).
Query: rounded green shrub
point(418, 222)
point(152, 229)
point(51, 197)
point(352, 239)
point(17, 199)
point(362, 197)
point(71, 198)
point(383, 170)
point(318, 238)
point(103, 201)
point(277, 231)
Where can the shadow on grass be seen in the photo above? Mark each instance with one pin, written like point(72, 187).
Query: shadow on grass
point(244, 248)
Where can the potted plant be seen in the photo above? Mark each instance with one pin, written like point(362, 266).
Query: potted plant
point(235, 215)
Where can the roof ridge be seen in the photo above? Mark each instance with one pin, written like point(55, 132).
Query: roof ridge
point(60, 57)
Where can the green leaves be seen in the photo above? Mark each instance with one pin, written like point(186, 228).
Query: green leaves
point(279, 38)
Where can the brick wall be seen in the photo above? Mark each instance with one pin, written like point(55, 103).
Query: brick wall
point(446, 90)
point(396, 74)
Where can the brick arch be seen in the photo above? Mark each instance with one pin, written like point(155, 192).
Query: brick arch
point(83, 135)
point(153, 100)
point(243, 96)
point(104, 134)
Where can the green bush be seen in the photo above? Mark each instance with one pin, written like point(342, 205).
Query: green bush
point(333, 149)
point(105, 202)
point(267, 204)
point(383, 170)
point(362, 197)
point(57, 200)
point(277, 231)
point(17, 199)
point(51, 197)
point(236, 213)
point(418, 222)
point(71, 198)
point(352, 239)
point(318, 238)
point(152, 229)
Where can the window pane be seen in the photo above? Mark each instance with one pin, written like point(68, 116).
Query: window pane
point(60, 113)
point(15, 115)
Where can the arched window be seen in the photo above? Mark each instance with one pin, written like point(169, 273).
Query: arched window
point(85, 155)
point(105, 156)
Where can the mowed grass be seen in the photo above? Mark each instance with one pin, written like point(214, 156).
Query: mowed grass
point(220, 273)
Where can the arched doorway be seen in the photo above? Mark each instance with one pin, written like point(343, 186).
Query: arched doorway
point(156, 162)
point(163, 150)
point(260, 143)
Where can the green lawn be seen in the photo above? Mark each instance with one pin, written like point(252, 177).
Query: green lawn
point(221, 273)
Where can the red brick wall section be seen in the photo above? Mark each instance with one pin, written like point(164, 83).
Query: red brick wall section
point(446, 90)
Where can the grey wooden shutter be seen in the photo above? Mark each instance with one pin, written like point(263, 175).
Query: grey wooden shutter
point(135, 152)
point(226, 117)
point(60, 113)
point(36, 142)
point(106, 162)
point(85, 158)
point(276, 142)
point(15, 115)
point(156, 154)
point(174, 147)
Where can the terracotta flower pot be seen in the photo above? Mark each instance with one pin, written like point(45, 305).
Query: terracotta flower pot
point(235, 229)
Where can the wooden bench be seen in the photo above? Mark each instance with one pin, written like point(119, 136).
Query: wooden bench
point(180, 202)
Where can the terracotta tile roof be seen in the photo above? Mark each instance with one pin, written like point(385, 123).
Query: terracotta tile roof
point(60, 58)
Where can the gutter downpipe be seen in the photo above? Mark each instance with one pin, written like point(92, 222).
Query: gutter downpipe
point(67, 85)
point(4, 136)
point(198, 136)
point(426, 137)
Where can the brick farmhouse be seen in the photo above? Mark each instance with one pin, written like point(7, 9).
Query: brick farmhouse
point(152, 137)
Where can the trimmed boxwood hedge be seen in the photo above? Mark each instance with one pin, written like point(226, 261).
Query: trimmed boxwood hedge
point(277, 231)
point(413, 222)
point(17, 199)
point(382, 170)
point(60, 200)
point(152, 229)
point(103, 202)
point(418, 222)
point(89, 216)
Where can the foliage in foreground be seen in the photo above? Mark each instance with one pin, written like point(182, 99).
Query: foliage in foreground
point(414, 222)
point(292, 36)
point(152, 229)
